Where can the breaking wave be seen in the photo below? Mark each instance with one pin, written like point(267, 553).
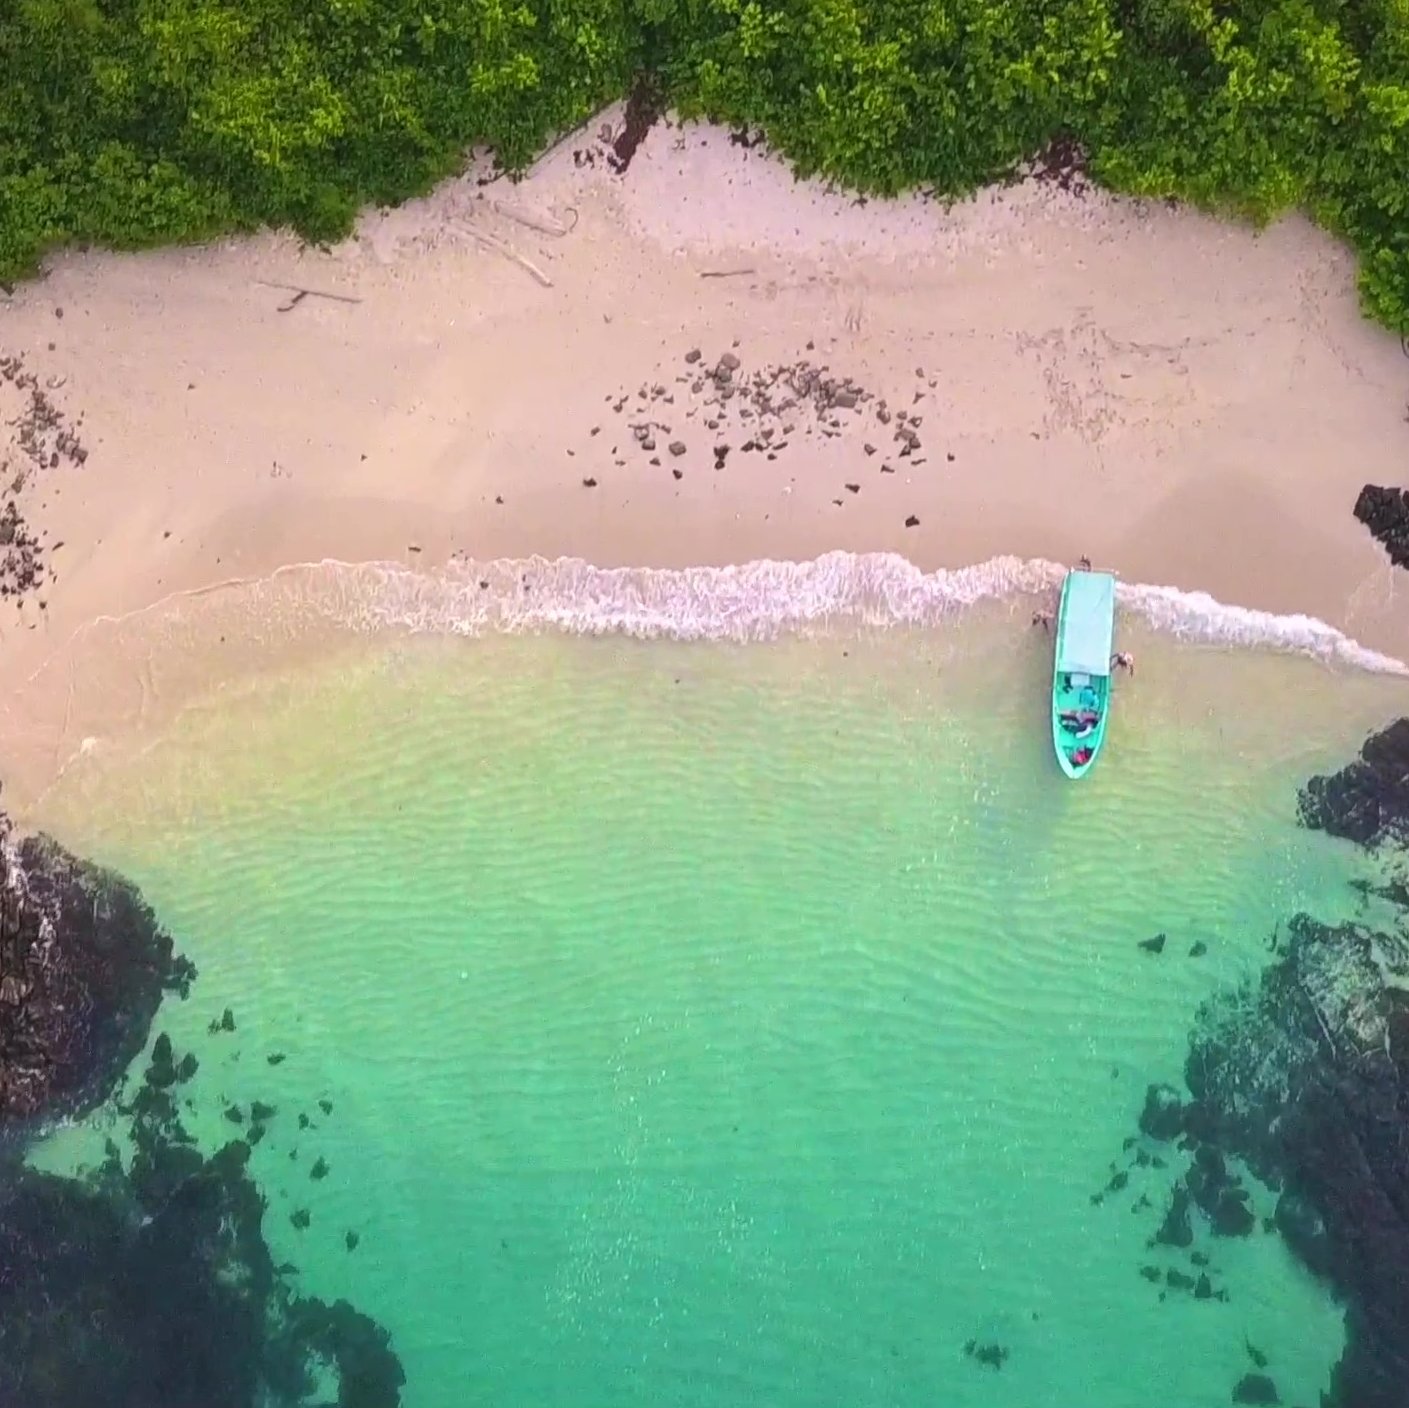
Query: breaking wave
point(762, 600)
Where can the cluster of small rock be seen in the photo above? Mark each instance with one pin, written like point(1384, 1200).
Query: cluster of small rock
point(42, 436)
point(39, 437)
point(762, 412)
point(254, 1121)
point(22, 567)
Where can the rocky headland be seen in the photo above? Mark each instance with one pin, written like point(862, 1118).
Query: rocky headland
point(147, 1281)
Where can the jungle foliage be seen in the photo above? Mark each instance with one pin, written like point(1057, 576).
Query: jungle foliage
point(132, 122)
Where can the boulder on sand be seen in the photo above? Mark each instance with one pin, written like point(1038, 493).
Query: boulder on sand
point(1385, 512)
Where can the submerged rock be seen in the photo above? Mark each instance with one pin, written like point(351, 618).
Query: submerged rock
point(1231, 1216)
point(1255, 1388)
point(83, 967)
point(1163, 1115)
point(985, 1352)
point(1176, 1230)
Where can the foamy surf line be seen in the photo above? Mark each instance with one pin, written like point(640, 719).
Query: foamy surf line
point(761, 600)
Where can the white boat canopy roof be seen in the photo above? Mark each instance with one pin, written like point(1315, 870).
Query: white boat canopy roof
point(1087, 624)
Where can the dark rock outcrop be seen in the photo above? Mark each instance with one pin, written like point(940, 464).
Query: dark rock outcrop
point(1385, 512)
point(1368, 800)
point(83, 967)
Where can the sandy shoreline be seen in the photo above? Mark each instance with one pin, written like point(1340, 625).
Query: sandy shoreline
point(1182, 400)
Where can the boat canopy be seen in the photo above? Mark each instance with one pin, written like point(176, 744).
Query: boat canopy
point(1087, 624)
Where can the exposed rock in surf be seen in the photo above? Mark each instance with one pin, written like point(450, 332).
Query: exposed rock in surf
point(1385, 512)
point(1153, 945)
point(1367, 801)
point(83, 966)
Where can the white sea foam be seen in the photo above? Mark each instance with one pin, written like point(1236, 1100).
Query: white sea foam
point(1197, 616)
point(761, 600)
point(754, 601)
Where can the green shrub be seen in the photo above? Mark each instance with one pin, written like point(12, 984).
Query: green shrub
point(133, 122)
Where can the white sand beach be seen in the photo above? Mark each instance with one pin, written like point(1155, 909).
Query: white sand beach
point(1186, 401)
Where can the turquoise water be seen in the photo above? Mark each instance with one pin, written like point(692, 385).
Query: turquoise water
point(716, 1024)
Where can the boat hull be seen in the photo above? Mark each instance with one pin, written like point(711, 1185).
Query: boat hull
point(1081, 679)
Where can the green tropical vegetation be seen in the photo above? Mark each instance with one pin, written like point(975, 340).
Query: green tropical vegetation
point(133, 122)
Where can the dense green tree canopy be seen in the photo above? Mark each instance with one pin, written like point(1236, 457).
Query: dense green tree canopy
point(130, 122)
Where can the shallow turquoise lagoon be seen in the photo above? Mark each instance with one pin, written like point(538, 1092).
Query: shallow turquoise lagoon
point(715, 1024)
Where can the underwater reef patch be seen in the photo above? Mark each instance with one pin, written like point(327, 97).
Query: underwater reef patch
point(1301, 1075)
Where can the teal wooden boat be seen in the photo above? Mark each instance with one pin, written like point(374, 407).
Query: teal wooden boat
point(1081, 675)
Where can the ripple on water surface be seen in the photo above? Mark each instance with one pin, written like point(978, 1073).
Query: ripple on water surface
point(715, 1024)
